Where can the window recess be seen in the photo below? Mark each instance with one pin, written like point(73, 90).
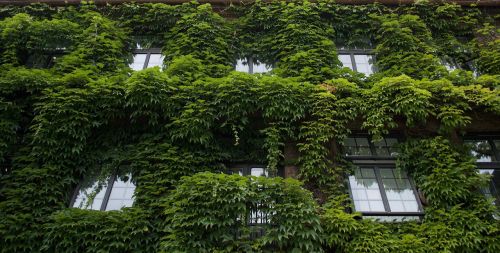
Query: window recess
point(147, 58)
point(113, 193)
point(358, 60)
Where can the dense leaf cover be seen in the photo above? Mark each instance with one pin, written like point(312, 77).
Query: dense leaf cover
point(178, 128)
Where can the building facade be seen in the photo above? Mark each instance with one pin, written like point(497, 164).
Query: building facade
point(267, 126)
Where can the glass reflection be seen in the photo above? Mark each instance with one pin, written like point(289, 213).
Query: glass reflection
point(91, 197)
point(345, 59)
point(122, 194)
point(365, 190)
point(138, 62)
point(155, 60)
point(481, 150)
point(399, 192)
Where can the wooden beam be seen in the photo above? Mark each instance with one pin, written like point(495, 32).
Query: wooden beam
point(492, 3)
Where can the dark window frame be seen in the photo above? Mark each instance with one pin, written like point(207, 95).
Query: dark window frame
point(377, 165)
point(373, 148)
point(381, 162)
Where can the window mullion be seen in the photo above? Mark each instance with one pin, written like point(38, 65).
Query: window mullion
point(105, 200)
point(353, 62)
point(382, 189)
point(75, 194)
point(250, 64)
point(146, 61)
point(372, 146)
point(494, 149)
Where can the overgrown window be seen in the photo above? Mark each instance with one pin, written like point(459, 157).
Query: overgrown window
point(258, 214)
point(43, 60)
point(493, 189)
point(252, 66)
point(113, 193)
point(359, 146)
point(358, 61)
point(384, 193)
point(486, 151)
point(249, 170)
point(147, 58)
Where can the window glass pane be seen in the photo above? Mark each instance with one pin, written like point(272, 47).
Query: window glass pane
point(238, 171)
point(399, 192)
point(497, 145)
point(363, 146)
point(350, 146)
point(91, 197)
point(386, 147)
point(364, 64)
point(492, 190)
point(381, 148)
point(345, 59)
point(258, 172)
point(122, 194)
point(138, 63)
point(481, 150)
point(366, 191)
point(261, 68)
point(155, 60)
point(242, 66)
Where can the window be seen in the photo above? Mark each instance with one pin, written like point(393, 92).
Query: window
point(377, 189)
point(249, 170)
point(359, 61)
point(147, 58)
point(259, 213)
point(44, 60)
point(383, 193)
point(112, 194)
point(250, 66)
point(486, 151)
point(365, 146)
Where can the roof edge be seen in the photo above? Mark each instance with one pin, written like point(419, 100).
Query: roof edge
point(491, 3)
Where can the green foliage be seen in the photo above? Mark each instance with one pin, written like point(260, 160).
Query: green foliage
point(22, 37)
point(419, 101)
point(296, 37)
point(102, 47)
point(488, 45)
point(404, 46)
point(446, 176)
point(392, 97)
point(205, 35)
point(209, 213)
point(76, 230)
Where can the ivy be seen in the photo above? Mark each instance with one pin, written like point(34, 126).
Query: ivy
point(214, 216)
